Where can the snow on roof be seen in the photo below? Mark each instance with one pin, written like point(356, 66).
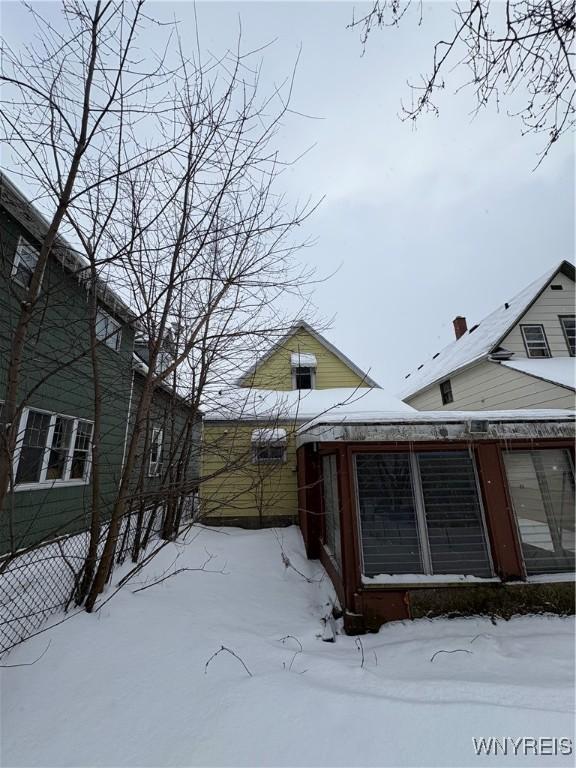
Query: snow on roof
point(440, 417)
point(557, 370)
point(298, 405)
point(303, 360)
point(479, 341)
point(269, 435)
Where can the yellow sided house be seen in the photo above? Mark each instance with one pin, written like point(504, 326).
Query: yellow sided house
point(249, 474)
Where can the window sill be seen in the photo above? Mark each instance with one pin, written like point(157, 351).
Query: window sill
point(546, 578)
point(49, 484)
point(423, 579)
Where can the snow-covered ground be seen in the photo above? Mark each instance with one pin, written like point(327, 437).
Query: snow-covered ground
point(129, 685)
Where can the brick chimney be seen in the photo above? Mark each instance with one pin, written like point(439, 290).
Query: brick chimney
point(460, 326)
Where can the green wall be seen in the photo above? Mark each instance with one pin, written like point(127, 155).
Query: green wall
point(53, 381)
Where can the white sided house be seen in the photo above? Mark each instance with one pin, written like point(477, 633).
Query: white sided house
point(520, 356)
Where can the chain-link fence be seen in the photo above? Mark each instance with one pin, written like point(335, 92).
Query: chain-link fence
point(36, 584)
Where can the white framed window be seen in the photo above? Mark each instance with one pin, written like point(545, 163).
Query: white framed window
point(421, 513)
point(446, 392)
point(156, 449)
point(303, 366)
point(535, 341)
point(52, 449)
point(25, 260)
point(568, 323)
point(108, 330)
point(269, 446)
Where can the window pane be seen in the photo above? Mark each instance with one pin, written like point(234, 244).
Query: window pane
point(25, 262)
point(59, 449)
point(387, 514)
point(331, 508)
point(33, 446)
point(453, 517)
point(569, 326)
point(81, 447)
point(541, 485)
point(303, 378)
point(535, 340)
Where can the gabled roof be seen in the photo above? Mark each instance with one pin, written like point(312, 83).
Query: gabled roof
point(303, 325)
point(28, 215)
point(481, 339)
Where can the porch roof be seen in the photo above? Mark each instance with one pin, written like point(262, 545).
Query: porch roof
point(438, 425)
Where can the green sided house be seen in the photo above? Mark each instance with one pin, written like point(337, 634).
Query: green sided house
point(51, 471)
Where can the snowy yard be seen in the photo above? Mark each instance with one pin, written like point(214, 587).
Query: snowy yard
point(129, 685)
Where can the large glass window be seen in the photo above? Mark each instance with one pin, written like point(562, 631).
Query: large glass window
point(541, 486)
point(52, 449)
point(420, 514)
point(390, 539)
point(331, 508)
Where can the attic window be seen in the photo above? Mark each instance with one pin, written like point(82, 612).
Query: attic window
point(303, 370)
point(556, 287)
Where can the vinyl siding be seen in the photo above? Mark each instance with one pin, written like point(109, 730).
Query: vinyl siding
point(50, 381)
point(276, 372)
point(491, 386)
point(244, 489)
point(545, 311)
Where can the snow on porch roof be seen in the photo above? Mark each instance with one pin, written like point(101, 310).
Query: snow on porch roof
point(557, 370)
point(481, 339)
point(380, 425)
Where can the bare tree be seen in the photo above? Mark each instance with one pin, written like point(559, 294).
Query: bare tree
point(69, 108)
point(519, 50)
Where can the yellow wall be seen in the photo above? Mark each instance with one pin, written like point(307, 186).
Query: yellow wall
point(276, 372)
point(244, 489)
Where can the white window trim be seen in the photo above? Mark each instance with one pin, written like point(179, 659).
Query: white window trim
point(43, 483)
point(312, 377)
point(154, 467)
point(561, 319)
point(22, 242)
point(110, 336)
point(523, 326)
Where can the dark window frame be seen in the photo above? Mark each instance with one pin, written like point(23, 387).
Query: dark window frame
point(446, 392)
point(523, 327)
point(561, 319)
point(426, 517)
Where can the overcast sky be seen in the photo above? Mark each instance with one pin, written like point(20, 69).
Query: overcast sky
point(423, 224)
